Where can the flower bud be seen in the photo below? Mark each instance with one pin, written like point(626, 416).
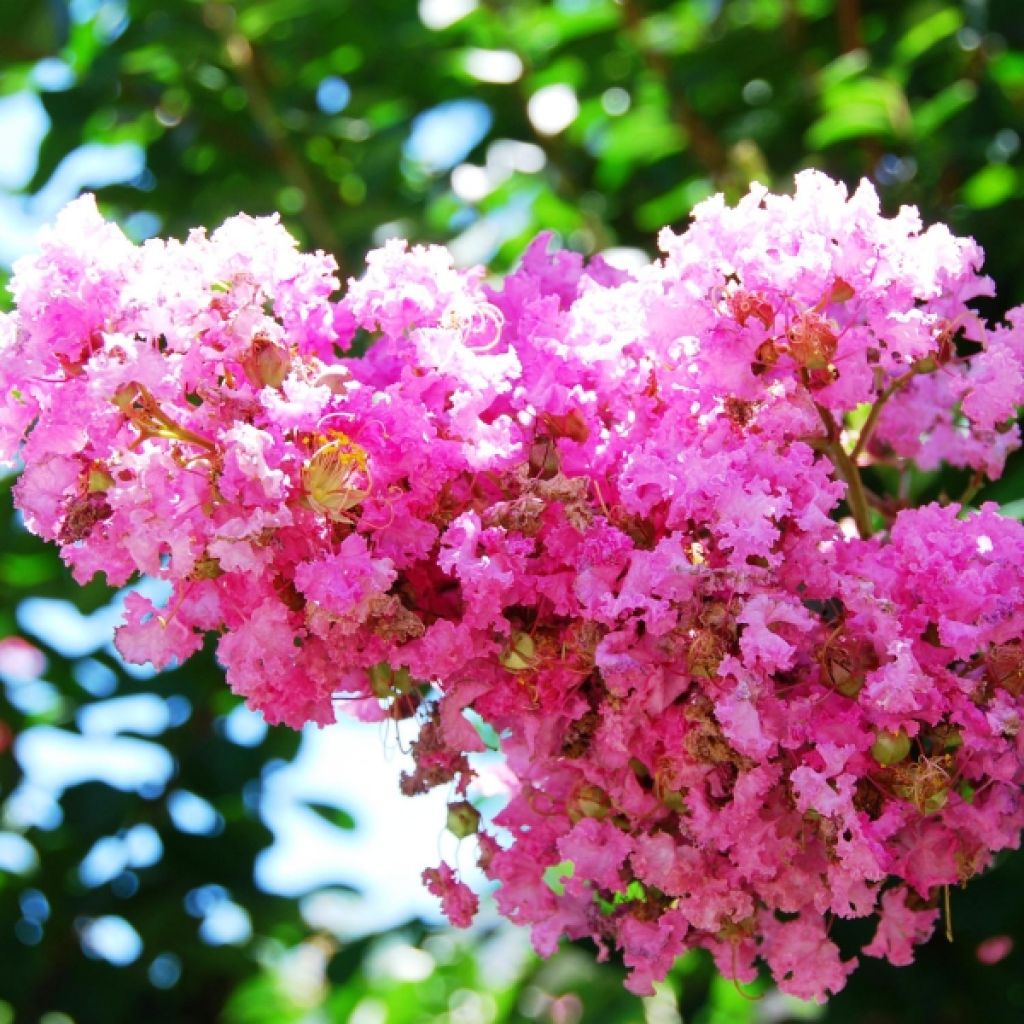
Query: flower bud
point(942, 739)
point(125, 396)
point(589, 801)
point(845, 660)
point(571, 425)
point(890, 747)
point(99, 480)
point(952, 740)
point(544, 461)
point(520, 653)
point(766, 356)
point(842, 291)
point(386, 681)
point(463, 819)
point(266, 364)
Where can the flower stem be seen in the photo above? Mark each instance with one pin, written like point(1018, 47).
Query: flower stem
point(161, 425)
point(856, 497)
point(876, 410)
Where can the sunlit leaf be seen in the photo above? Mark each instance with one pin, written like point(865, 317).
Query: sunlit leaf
point(932, 114)
point(992, 185)
point(1013, 509)
point(860, 108)
point(926, 33)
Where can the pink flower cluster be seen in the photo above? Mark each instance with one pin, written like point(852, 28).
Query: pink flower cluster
point(616, 520)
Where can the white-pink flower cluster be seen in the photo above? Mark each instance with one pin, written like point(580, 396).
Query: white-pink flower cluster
point(617, 520)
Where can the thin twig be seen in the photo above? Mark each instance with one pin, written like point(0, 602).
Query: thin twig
point(851, 36)
point(872, 421)
point(970, 491)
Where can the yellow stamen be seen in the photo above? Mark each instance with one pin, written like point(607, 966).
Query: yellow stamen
point(336, 477)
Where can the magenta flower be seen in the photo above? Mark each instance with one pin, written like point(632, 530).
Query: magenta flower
point(617, 520)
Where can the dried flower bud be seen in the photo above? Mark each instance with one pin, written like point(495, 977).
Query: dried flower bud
point(744, 305)
point(82, 516)
point(1004, 667)
point(207, 568)
point(544, 461)
point(766, 356)
point(705, 654)
point(812, 341)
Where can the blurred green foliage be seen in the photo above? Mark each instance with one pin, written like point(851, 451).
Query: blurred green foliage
point(306, 108)
point(476, 122)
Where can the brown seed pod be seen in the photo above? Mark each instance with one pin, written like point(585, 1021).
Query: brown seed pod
point(812, 341)
point(1004, 667)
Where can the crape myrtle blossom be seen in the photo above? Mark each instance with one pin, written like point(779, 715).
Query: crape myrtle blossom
point(614, 522)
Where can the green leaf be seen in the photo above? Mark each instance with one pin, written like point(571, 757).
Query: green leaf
point(336, 816)
point(633, 893)
point(643, 136)
point(260, 19)
point(931, 115)
point(568, 70)
point(1013, 509)
point(1008, 70)
point(345, 966)
point(680, 30)
point(865, 108)
point(924, 34)
point(263, 1000)
point(674, 205)
point(155, 60)
point(844, 69)
point(992, 185)
point(27, 570)
point(546, 28)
